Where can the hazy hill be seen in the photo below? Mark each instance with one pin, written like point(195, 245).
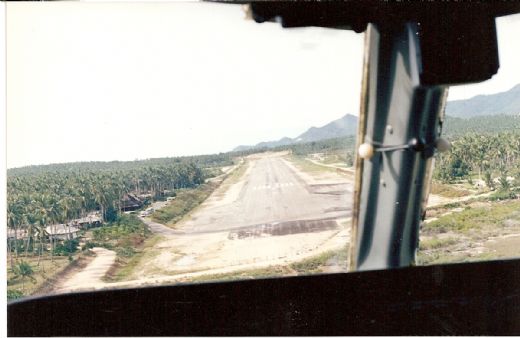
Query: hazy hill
point(345, 126)
point(487, 113)
point(501, 103)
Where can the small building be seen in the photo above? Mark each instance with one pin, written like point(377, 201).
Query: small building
point(90, 220)
point(317, 156)
point(131, 202)
point(18, 234)
point(509, 179)
point(62, 231)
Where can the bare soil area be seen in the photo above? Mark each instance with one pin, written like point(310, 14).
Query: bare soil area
point(88, 273)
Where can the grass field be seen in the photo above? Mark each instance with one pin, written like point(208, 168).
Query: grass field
point(124, 266)
point(481, 230)
point(236, 174)
point(185, 201)
point(477, 216)
point(308, 166)
point(447, 190)
point(41, 273)
point(321, 262)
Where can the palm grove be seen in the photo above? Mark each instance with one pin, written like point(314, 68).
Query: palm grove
point(485, 148)
point(37, 199)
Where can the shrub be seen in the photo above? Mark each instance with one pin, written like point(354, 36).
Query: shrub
point(186, 200)
point(66, 247)
point(18, 244)
point(24, 270)
point(125, 251)
point(14, 294)
point(125, 225)
point(88, 245)
point(489, 180)
point(122, 235)
point(503, 194)
point(436, 243)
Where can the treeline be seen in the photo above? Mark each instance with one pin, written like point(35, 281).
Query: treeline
point(487, 155)
point(339, 144)
point(455, 127)
point(342, 147)
point(203, 161)
point(73, 193)
point(346, 144)
point(35, 201)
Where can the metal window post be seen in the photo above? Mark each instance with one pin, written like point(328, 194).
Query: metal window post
point(400, 120)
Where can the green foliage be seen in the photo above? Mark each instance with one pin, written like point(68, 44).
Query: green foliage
point(480, 153)
point(504, 183)
point(343, 144)
point(17, 245)
point(123, 236)
point(39, 196)
point(455, 168)
point(436, 243)
point(125, 251)
point(455, 127)
point(488, 178)
point(447, 190)
point(24, 271)
point(66, 247)
point(473, 218)
point(111, 214)
point(316, 263)
point(505, 189)
point(124, 226)
point(89, 245)
point(14, 294)
point(186, 201)
point(502, 194)
point(205, 161)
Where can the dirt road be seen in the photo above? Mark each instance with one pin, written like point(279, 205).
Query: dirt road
point(92, 274)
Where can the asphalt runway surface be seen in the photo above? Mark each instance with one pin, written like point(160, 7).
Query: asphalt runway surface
point(271, 198)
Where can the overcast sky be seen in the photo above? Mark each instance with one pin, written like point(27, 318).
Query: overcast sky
point(112, 81)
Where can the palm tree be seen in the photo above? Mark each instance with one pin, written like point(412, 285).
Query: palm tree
point(15, 219)
point(24, 270)
point(11, 223)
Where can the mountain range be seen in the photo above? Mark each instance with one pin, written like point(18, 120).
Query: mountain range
point(345, 126)
point(504, 103)
point(507, 103)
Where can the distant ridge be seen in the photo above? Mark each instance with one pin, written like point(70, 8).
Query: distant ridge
point(507, 103)
point(485, 106)
point(345, 126)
